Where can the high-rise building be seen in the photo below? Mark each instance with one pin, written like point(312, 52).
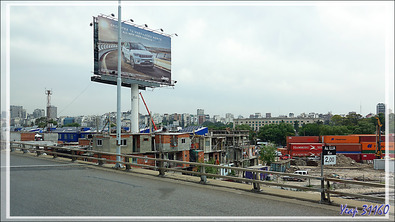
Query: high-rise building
point(17, 111)
point(268, 115)
point(37, 113)
point(380, 108)
point(200, 116)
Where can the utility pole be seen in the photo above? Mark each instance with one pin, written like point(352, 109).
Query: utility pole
point(119, 82)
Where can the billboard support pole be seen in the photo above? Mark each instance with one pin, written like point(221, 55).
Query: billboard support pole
point(119, 82)
point(134, 116)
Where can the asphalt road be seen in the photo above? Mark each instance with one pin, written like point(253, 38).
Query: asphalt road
point(44, 187)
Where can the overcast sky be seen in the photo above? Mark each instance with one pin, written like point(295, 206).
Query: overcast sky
point(239, 58)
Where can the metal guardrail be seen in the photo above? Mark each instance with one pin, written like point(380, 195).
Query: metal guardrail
point(159, 166)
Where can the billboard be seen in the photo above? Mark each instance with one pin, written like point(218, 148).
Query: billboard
point(145, 54)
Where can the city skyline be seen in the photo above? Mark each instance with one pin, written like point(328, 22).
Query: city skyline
point(237, 58)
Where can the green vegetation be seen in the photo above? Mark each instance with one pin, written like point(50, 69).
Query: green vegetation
point(276, 133)
point(351, 124)
point(42, 122)
point(211, 170)
point(268, 154)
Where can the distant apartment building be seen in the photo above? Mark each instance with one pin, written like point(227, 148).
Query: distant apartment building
point(37, 113)
point(291, 115)
point(257, 123)
point(17, 112)
point(200, 116)
point(380, 108)
point(229, 118)
point(268, 115)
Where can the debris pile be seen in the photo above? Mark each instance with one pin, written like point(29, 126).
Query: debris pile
point(298, 162)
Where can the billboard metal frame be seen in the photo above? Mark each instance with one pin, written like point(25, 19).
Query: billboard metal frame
point(110, 78)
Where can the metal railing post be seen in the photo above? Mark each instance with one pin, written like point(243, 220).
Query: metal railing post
point(73, 158)
point(38, 152)
point(203, 178)
point(100, 161)
point(127, 163)
point(24, 149)
point(256, 186)
point(328, 187)
point(161, 167)
point(55, 155)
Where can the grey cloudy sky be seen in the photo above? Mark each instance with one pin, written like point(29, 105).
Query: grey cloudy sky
point(237, 57)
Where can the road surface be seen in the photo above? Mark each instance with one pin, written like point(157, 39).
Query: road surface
point(46, 187)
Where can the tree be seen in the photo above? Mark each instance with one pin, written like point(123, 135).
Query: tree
point(364, 126)
point(243, 127)
point(268, 154)
point(276, 133)
point(337, 120)
point(310, 129)
point(391, 122)
point(296, 126)
point(41, 122)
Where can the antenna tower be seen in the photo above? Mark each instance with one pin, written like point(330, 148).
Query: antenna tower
point(48, 92)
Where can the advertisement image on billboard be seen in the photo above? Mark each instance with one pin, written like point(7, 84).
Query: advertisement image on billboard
point(145, 54)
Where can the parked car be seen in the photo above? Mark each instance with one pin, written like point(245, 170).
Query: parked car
point(285, 157)
point(298, 172)
point(137, 55)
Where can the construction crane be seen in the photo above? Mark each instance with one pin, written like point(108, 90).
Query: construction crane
point(149, 113)
point(378, 139)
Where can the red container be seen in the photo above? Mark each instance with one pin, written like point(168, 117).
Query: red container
point(28, 136)
point(368, 156)
point(306, 146)
point(302, 139)
point(354, 156)
point(347, 147)
point(299, 153)
point(369, 138)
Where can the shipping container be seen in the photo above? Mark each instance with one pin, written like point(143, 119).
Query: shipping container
point(341, 139)
point(368, 156)
point(372, 146)
point(347, 147)
point(370, 138)
point(28, 136)
point(299, 153)
point(302, 139)
point(354, 156)
point(306, 146)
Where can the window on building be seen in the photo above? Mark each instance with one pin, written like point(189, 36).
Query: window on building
point(183, 140)
point(145, 139)
point(134, 160)
point(123, 142)
point(100, 142)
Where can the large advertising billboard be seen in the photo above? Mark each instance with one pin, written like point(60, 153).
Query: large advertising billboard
point(146, 54)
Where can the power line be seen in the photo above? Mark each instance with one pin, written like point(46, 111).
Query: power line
point(68, 105)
